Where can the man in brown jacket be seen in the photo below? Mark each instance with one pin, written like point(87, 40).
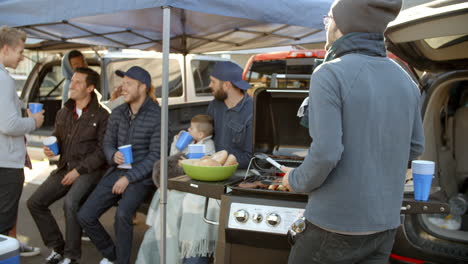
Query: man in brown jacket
point(80, 126)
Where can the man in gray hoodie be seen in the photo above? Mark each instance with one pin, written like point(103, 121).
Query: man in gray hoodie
point(12, 129)
point(365, 121)
point(72, 60)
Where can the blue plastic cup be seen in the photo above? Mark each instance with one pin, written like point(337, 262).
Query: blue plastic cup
point(195, 155)
point(35, 107)
point(184, 140)
point(127, 153)
point(51, 143)
point(423, 172)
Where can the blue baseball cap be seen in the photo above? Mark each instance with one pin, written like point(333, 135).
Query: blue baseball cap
point(138, 74)
point(230, 72)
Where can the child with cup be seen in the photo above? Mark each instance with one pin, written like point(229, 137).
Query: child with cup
point(199, 132)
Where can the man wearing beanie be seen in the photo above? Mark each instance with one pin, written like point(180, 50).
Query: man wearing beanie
point(365, 121)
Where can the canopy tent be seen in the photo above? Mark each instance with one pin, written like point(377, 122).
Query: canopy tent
point(183, 26)
point(196, 26)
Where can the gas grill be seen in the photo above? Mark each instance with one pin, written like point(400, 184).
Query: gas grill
point(253, 223)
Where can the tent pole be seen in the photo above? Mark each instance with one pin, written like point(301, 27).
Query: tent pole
point(164, 127)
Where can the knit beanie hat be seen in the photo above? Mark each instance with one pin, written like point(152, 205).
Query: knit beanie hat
point(370, 16)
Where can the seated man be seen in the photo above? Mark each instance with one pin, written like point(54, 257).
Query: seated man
point(137, 122)
point(79, 128)
point(191, 240)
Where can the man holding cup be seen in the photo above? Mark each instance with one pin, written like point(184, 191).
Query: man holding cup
point(13, 128)
point(365, 122)
point(135, 128)
point(78, 138)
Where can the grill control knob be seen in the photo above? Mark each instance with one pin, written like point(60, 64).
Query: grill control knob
point(273, 219)
point(241, 216)
point(257, 218)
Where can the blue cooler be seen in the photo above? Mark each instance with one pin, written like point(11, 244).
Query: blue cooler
point(9, 250)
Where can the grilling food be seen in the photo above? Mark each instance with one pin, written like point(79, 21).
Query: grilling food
point(253, 185)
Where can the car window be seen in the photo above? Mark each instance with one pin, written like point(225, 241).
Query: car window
point(53, 81)
point(154, 67)
point(446, 41)
point(201, 76)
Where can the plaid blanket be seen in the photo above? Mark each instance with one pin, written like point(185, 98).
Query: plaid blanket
point(187, 234)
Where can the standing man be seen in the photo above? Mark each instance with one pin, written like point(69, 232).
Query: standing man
point(13, 129)
point(231, 111)
point(79, 127)
point(71, 61)
point(136, 122)
point(365, 121)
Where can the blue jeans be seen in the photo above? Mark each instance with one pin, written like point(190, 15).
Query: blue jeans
point(100, 200)
point(50, 191)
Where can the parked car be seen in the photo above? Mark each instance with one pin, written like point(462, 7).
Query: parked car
point(433, 38)
point(20, 80)
point(189, 93)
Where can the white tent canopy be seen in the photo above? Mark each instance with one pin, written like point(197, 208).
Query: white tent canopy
point(196, 26)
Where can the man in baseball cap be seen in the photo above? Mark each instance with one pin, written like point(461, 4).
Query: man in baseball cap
point(231, 111)
point(136, 122)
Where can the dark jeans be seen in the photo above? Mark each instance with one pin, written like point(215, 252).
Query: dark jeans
point(11, 187)
point(196, 260)
point(49, 192)
point(100, 200)
point(315, 245)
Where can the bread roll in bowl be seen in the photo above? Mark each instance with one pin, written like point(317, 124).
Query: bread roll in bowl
point(207, 163)
point(231, 160)
point(220, 156)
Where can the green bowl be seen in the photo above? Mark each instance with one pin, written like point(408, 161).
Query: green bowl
point(203, 173)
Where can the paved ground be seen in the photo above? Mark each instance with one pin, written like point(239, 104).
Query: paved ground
point(27, 230)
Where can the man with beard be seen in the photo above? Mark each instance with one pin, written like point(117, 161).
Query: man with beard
point(136, 122)
point(231, 111)
point(79, 127)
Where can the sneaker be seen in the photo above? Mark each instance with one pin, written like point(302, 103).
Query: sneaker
point(85, 237)
point(54, 258)
point(27, 251)
point(106, 261)
point(68, 261)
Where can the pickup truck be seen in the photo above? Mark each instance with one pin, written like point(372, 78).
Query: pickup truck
point(189, 93)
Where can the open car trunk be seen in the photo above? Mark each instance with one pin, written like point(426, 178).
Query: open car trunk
point(433, 38)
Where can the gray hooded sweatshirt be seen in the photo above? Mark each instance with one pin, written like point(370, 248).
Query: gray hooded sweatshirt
point(67, 72)
point(13, 127)
point(365, 122)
